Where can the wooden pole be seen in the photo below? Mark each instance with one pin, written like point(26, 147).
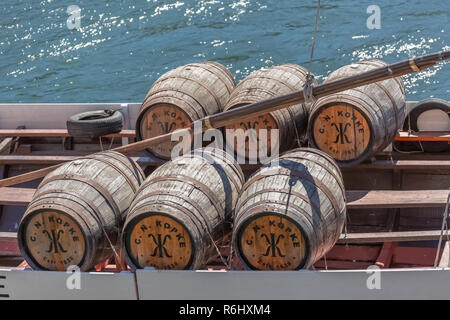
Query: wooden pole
point(263, 107)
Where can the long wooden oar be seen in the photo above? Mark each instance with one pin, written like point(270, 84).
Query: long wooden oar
point(260, 108)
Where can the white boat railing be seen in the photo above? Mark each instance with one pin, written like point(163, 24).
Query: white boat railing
point(147, 284)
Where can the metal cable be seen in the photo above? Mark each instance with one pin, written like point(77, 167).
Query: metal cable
point(308, 86)
point(443, 227)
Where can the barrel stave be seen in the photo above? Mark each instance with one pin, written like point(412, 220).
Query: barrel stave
point(180, 97)
point(89, 196)
point(378, 107)
point(268, 83)
point(199, 191)
point(304, 186)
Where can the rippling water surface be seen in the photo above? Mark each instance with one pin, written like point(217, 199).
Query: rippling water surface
point(123, 46)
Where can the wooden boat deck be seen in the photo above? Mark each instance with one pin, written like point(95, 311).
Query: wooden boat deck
point(395, 200)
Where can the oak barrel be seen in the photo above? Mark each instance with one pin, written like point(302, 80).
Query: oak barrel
point(77, 211)
point(291, 212)
point(353, 125)
point(180, 208)
point(181, 96)
point(264, 84)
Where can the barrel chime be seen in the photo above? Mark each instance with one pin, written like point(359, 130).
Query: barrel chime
point(353, 125)
point(181, 96)
point(180, 209)
point(75, 215)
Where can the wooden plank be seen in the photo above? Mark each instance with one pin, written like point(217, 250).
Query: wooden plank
point(385, 258)
point(34, 160)
point(381, 237)
point(355, 199)
point(150, 161)
point(342, 265)
point(415, 256)
point(423, 136)
point(8, 244)
point(16, 196)
point(50, 160)
point(5, 145)
point(56, 133)
point(363, 199)
point(404, 165)
point(342, 252)
point(5, 148)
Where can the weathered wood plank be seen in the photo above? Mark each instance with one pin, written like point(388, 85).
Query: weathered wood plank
point(405, 165)
point(51, 160)
point(380, 237)
point(357, 199)
point(367, 253)
point(16, 196)
point(34, 160)
point(151, 161)
point(341, 265)
point(5, 145)
point(55, 133)
point(8, 244)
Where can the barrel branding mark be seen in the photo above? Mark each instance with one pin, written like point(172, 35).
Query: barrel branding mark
point(272, 243)
point(54, 240)
point(160, 242)
point(160, 120)
point(341, 131)
point(261, 122)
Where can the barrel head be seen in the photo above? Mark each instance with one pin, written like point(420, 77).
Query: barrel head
point(255, 138)
point(272, 242)
point(161, 119)
point(158, 241)
point(342, 131)
point(52, 240)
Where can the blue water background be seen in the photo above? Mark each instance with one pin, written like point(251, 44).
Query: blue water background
point(122, 47)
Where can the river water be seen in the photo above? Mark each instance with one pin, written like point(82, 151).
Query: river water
point(122, 47)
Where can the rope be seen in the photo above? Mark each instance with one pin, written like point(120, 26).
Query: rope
point(116, 255)
point(297, 135)
point(101, 144)
point(314, 35)
point(408, 152)
point(111, 144)
point(217, 249)
point(308, 86)
point(443, 227)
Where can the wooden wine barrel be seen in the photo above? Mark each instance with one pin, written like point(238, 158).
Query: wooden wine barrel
point(178, 210)
point(264, 84)
point(77, 211)
point(181, 96)
point(353, 125)
point(290, 212)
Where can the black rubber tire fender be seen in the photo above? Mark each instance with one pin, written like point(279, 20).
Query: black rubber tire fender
point(413, 115)
point(92, 124)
